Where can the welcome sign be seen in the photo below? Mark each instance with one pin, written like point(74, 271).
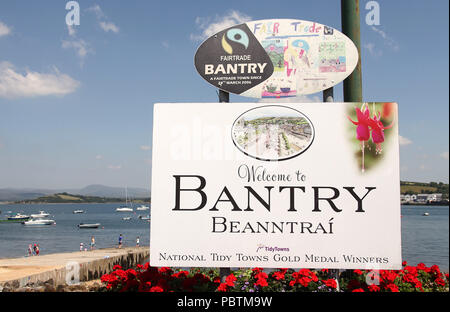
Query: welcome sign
point(276, 58)
point(293, 185)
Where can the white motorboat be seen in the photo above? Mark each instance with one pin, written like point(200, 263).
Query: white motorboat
point(144, 217)
point(124, 209)
point(41, 214)
point(78, 211)
point(143, 208)
point(39, 222)
point(426, 214)
point(126, 218)
point(88, 225)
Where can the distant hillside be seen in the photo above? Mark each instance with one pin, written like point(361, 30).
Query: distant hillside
point(424, 188)
point(13, 194)
point(108, 191)
point(61, 198)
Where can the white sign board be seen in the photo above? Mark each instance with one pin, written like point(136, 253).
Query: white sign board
point(276, 58)
point(295, 185)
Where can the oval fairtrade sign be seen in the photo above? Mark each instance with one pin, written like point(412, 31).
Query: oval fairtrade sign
point(276, 58)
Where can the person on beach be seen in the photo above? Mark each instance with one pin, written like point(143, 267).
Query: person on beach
point(30, 250)
point(34, 250)
point(37, 250)
point(92, 243)
point(137, 241)
point(81, 246)
point(120, 240)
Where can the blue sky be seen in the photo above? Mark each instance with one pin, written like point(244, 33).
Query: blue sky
point(76, 104)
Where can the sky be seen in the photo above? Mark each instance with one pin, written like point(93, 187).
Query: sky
point(76, 102)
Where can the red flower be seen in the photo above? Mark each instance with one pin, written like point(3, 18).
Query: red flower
point(392, 287)
point(261, 282)
point(362, 129)
point(373, 288)
point(165, 270)
point(117, 267)
point(439, 281)
point(435, 269)
point(378, 131)
point(404, 263)
point(388, 275)
point(181, 274)
point(230, 280)
point(278, 275)
point(222, 287)
point(330, 283)
point(359, 272)
point(156, 289)
point(422, 267)
point(358, 290)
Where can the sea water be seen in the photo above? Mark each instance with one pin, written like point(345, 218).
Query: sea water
point(424, 238)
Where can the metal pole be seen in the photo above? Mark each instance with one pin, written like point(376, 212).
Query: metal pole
point(351, 28)
point(224, 97)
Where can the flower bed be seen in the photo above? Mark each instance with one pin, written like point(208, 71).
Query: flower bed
point(145, 278)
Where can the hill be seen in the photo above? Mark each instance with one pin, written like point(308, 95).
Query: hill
point(61, 198)
point(18, 194)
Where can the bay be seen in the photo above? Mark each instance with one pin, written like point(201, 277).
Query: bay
point(424, 238)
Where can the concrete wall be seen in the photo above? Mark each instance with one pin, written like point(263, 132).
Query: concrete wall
point(92, 269)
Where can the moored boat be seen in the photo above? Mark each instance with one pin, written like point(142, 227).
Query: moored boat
point(78, 211)
point(41, 214)
point(88, 225)
point(39, 222)
point(19, 217)
point(124, 209)
point(143, 208)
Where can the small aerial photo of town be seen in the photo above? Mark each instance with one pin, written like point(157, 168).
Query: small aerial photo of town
point(270, 134)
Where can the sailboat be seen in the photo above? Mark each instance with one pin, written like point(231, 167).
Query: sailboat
point(125, 208)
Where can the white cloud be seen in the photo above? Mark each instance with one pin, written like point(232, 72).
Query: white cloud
point(71, 30)
point(31, 84)
point(109, 26)
point(444, 155)
point(145, 147)
point(372, 49)
point(4, 29)
point(387, 39)
point(80, 46)
point(99, 157)
point(404, 141)
point(97, 11)
point(102, 19)
point(115, 167)
point(210, 26)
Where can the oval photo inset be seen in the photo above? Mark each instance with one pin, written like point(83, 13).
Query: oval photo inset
point(272, 133)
